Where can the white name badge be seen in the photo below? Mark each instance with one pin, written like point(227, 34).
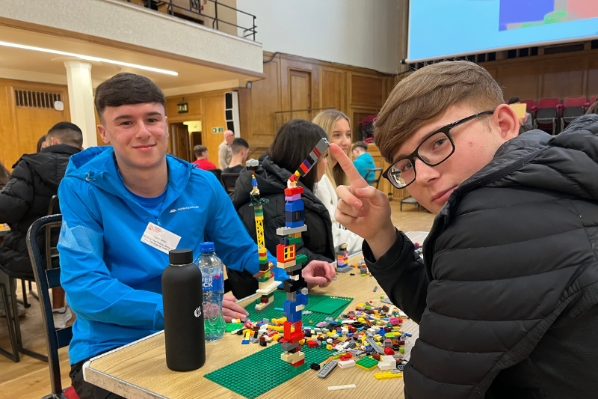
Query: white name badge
point(160, 238)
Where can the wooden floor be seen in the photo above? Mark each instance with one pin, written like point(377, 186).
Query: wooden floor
point(30, 378)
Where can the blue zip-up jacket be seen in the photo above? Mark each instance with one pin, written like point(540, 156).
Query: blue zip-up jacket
point(112, 279)
point(363, 162)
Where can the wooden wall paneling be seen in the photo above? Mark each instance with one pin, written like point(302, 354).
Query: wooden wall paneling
point(367, 90)
point(9, 140)
point(332, 89)
point(300, 94)
point(564, 78)
point(213, 107)
point(521, 80)
point(265, 99)
point(592, 81)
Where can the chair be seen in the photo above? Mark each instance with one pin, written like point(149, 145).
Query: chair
point(217, 173)
point(374, 180)
point(229, 180)
point(573, 108)
point(593, 99)
point(51, 254)
point(409, 201)
point(47, 279)
point(548, 115)
point(530, 106)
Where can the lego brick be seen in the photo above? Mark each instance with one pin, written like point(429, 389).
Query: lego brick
point(316, 152)
point(345, 364)
point(299, 363)
point(327, 369)
point(367, 363)
point(322, 145)
point(295, 241)
point(301, 258)
point(295, 224)
point(292, 357)
point(293, 191)
point(311, 158)
point(341, 387)
point(288, 346)
point(314, 366)
point(374, 345)
point(294, 268)
point(294, 206)
point(387, 375)
point(292, 197)
point(304, 167)
point(283, 231)
point(293, 286)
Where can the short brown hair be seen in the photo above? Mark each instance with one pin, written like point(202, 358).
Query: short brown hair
point(125, 89)
point(593, 108)
point(67, 133)
point(361, 144)
point(426, 94)
point(199, 150)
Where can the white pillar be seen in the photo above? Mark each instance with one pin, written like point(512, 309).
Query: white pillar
point(81, 100)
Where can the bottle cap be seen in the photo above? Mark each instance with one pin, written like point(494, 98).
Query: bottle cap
point(207, 247)
point(180, 256)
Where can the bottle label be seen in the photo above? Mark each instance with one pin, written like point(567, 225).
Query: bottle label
point(213, 283)
point(197, 312)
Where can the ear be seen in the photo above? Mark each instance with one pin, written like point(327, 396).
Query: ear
point(103, 135)
point(506, 120)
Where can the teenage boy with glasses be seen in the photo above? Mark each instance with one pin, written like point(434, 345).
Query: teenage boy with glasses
point(507, 296)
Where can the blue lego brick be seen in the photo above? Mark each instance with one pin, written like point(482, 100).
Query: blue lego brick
point(293, 206)
point(307, 164)
point(245, 342)
point(293, 317)
point(284, 241)
point(288, 307)
point(294, 224)
point(301, 299)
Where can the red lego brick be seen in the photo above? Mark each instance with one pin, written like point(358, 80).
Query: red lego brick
point(296, 337)
point(312, 344)
point(389, 351)
point(299, 363)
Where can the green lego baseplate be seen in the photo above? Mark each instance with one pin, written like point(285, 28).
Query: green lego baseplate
point(264, 370)
point(313, 300)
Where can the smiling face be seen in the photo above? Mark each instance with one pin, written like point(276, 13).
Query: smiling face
point(138, 133)
point(476, 142)
point(341, 135)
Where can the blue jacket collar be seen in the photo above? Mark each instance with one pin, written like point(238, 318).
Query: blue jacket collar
point(97, 165)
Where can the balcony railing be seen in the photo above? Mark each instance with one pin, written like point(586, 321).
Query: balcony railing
point(194, 10)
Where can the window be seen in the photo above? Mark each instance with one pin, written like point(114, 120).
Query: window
point(289, 252)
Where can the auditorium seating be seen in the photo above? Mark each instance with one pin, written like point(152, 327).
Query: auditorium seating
point(548, 115)
point(573, 107)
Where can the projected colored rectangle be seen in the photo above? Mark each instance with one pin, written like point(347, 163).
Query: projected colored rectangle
point(516, 14)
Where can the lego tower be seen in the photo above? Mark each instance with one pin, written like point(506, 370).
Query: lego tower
point(288, 260)
point(266, 285)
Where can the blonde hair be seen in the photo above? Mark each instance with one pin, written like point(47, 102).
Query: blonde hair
point(426, 94)
point(326, 120)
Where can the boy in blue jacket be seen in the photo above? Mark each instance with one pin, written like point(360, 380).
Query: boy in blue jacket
point(124, 207)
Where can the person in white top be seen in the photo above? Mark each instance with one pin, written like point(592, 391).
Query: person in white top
point(338, 128)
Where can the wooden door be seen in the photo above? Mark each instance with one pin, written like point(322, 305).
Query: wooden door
point(180, 141)
point(300, 94)
point(34, 114)
point(213, 108)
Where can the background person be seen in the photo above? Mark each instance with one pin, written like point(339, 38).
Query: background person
point(292, 144)
point(225, 152)
point(240, 149)
point(201, 155)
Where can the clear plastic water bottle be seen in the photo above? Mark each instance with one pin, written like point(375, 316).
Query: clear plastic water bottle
point(213, 290)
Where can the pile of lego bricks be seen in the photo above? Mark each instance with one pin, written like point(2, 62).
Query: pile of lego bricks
point(367, 337)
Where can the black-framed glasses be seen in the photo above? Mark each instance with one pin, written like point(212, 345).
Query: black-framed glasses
point(436, 148)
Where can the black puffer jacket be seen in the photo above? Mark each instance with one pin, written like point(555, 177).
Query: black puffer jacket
point(26, 198)
point(507, 299)
point(271, 179)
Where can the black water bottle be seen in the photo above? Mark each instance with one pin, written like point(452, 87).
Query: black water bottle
point(183, 312)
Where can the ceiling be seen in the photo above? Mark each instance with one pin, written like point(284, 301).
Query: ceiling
point(24, 61)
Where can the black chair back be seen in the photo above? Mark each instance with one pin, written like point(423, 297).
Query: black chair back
point(229, 180)
point(217, 173)
point(47, 279)
point(376, 174)
point(51, 252)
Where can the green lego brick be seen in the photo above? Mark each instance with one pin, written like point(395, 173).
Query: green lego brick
point(257, 374)
point(327, 306)
point(230, 327)
point(301, 258)
point(294, 240)
point(367, 363)
point(280, 297)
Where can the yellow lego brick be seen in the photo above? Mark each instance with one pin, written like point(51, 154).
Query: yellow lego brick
point(275, 337)
point(276, 328)
point(302, 342)
point(387, 375)
point(329, 347)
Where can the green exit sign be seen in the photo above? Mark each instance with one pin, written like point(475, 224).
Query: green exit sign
point(217, 130)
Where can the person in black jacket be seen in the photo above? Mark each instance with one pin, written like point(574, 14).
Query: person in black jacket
point(26, 197)
point(294, 141)
point(506, 296)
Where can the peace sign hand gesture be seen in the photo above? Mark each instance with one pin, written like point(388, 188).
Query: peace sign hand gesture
point(363, 209)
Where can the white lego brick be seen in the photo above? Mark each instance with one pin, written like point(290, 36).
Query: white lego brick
point(300, 307)
point(283, 231)
point(345, 364)
point(268, 289)
point(340, 387)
